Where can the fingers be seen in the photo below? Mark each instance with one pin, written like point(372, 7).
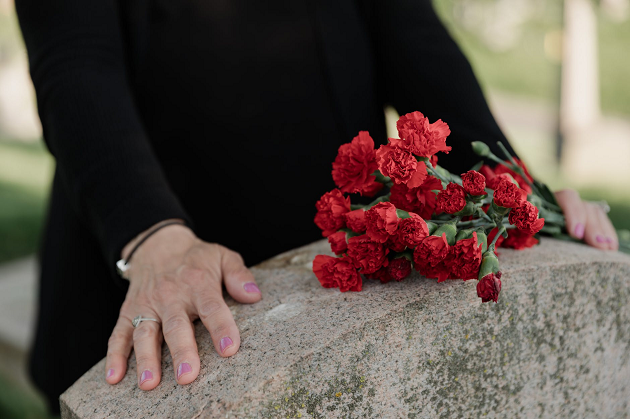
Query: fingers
point(217, 318)
point(594, 234)
point(180, 338)
point(239, 281)
point(574, 211)
point(118, 349)
point(147, 343)
point(608, 230)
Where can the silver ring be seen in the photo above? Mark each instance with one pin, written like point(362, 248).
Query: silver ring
point(603, 205)
point(139, 319)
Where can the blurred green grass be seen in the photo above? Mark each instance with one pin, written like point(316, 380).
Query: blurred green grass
point(25, 173)
point(18, 403)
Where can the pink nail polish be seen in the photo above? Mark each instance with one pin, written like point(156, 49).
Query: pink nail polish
point(225, 343)
point(579, 230)
point(146, 375)
point(609, 240)
point(600, 239)
point(251, 287)
point(184, 368)
point(110, 372)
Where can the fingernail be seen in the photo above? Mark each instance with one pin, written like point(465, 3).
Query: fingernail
point(251, 287)
point(110, 372)
point(600, 239)
point(225, 343)
point(183, 368)
point(609, 240)
point(579, 230)
point(146, 375)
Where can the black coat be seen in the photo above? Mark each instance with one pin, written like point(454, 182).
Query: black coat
point(227, 113)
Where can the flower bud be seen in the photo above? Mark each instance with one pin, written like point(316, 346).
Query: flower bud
point(489, 287)
point(482, 239)
point(399, 268)
point(469, 209)
point(431, 226)
point(489, 263)
point(480, 149)
point(464, 234)
point(449, 229)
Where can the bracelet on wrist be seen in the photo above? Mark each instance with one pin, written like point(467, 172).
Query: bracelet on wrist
point(123, 264)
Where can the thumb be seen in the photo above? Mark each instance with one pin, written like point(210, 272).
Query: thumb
point(239, 281)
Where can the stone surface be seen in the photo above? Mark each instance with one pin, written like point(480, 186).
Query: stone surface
point(557, 344)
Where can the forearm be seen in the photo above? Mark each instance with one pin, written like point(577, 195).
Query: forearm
point(104, 158)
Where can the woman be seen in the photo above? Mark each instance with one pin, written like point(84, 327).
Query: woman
point(220, 120)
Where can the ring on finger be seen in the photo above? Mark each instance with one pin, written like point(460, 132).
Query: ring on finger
point(139, 319)
point(603, 205)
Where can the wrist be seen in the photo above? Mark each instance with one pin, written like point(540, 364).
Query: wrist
point(169, 230)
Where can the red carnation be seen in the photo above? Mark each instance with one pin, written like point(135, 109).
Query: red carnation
point(381, 221)
point(400, 165)
point(337, 272)
point(367, 255)
point(412, 230)
point(494, 176)
point(429, 257)
point(501, 169)
point(508, 195)
point(381, 275)
point(399, 269)
point(421, 200)
point(395, 243)
point(464, 259)
point(474, 183)
point(355, 220)
point(422, 138)
point(331, 208)
point(519, 240)
point(354, 165)
point(525, 218)
point(338, 243)
point(489, 287)
point(452, 199)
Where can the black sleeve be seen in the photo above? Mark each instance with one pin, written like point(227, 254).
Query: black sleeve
point(89, 120)
point(422, 69)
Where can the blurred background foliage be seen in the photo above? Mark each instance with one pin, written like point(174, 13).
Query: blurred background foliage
point(515, 47)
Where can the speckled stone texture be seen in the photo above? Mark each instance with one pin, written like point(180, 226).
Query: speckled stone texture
point(557, 344)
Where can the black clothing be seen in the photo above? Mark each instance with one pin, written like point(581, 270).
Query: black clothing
point(225, 113)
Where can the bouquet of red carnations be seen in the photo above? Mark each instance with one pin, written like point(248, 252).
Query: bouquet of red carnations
point(443, 225)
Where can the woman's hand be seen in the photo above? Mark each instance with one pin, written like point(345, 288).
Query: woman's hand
point(176, 278)
point(587, 221)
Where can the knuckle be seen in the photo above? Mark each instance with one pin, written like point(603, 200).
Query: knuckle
point(182, 353)
point(175, 323)
point(144, 333)
point(210, 308)
point(116, 339)
point(220, 329)
point(569, 193)
point(144, 359)
point(237, 257)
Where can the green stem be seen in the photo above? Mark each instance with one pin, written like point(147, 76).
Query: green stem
point(433, 172)
point(499, 233)
point(507, 154)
